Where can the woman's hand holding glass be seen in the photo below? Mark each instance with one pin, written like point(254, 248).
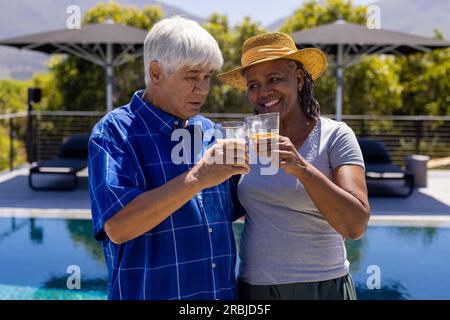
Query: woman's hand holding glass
point(290, 159)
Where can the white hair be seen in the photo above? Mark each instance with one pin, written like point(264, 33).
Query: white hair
point(177, 42)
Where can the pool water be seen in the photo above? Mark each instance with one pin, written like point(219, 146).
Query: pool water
point(414, 262)
point(36, 253)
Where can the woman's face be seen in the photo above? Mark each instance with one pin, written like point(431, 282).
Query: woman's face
point(273, 86)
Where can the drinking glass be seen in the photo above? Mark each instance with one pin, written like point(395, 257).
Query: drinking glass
point(263, 131)
point(232, 131)
point(263, 126)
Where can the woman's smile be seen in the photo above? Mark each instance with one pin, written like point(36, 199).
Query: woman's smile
point(271, 106)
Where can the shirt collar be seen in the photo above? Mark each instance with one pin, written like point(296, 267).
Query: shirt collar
point(163, 121)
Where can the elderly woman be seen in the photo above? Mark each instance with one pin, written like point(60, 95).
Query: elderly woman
point(292, 245)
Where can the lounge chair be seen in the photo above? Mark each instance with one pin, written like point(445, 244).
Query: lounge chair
point(72, 159)
point(383, 177)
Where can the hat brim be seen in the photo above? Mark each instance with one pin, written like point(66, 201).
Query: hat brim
point(313, 59)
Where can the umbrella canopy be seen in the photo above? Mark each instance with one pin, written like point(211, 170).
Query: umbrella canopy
point(347, 40)
point(106, 44)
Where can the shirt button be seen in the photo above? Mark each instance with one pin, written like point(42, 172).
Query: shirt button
point(175, 122)
point(213, 265)
point(210, 230)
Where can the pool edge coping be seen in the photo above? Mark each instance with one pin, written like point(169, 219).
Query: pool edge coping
point(375, 220)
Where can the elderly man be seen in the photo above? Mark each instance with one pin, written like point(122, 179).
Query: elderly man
point(165, 225)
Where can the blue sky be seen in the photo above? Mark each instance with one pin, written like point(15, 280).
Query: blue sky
point(263, 11)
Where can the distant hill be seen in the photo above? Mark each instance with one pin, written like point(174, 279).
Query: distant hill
point(21, 17)
point(416, 16)
point(276, 25)
point(412, 16)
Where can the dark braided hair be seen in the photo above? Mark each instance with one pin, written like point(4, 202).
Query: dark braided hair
point(308, 103)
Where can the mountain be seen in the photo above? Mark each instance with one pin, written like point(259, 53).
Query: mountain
point(20, 17)
point(43, 15)
point(412, 16)
point(276, 25)
point(418, 16)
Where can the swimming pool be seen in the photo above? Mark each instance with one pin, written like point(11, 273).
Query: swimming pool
point(35, 255)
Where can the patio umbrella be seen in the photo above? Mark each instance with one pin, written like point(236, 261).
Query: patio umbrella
point(349, 41)
point(107, 44)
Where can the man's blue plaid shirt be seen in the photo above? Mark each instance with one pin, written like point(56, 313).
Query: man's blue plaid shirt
point(191, 254)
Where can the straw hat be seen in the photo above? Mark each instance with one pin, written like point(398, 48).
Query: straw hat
point(271, 46)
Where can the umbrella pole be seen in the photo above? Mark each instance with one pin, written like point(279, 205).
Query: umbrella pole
point(339, 82)
point(109, 78)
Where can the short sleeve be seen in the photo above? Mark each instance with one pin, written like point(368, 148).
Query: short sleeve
point(344, 148)
point(112, 181)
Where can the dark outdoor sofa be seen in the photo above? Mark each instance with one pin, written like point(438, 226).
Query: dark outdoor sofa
point(383, 177)
point(71, 159)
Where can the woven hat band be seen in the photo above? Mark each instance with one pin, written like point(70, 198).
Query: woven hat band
point(265, 52)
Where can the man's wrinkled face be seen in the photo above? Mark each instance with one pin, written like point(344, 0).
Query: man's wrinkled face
point(186, 90)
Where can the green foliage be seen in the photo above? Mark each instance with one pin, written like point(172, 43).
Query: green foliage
point(52, 97)
point(312, 14)
point(13, 96)
point(370, 86)
point(222, 97)
point(324, 91)
point(416, 84)
point(18, 146)
point(426, 82)
point(373, 87)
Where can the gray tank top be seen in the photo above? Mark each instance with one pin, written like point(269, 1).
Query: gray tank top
point(285, 238)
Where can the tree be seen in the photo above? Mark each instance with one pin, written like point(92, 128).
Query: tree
point(223, 98)
point(425, 77)
point(82, 83)
point(18, 147)
point(412, 85)
point(13, 96)
point(52, 97)
point(371, 86)
point(312, 14)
